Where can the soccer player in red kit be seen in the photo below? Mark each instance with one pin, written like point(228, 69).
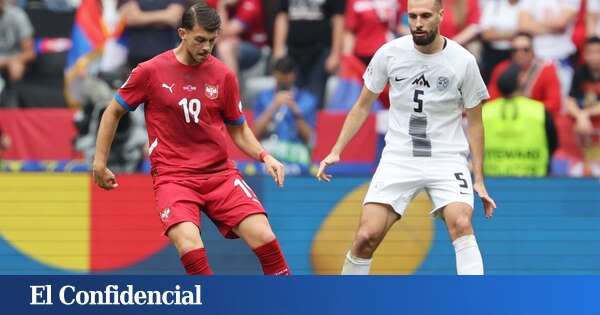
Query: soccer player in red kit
point(190, 99)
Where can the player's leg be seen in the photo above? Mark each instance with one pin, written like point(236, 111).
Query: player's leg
point(256, 231)
point(236, 211)
point(451, 191)
point(457, 216)
point(375, 221)
point(185, 236)
point(391, 189)
point(178, 209)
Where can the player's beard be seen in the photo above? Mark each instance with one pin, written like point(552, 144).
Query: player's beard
point(424, 41)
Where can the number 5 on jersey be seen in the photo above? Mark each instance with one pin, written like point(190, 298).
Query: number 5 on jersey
point(191, 108)
point(419, 102)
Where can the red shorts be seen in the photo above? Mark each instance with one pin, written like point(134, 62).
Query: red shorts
point(225, 198)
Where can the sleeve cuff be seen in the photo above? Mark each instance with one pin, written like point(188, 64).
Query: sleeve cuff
point(236, 122)
point(122, 102)
point(370, 86)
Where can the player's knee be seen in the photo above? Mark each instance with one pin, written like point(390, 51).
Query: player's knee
point(185, 243)
point(462, 225)
point(264, 237)
point(367, 240)
point(188, 245)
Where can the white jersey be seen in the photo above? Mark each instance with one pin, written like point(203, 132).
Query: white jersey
point(427, 94)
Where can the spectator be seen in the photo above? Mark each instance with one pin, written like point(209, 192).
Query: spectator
point(313, 31)
point(583, 102)
point(499, 24)
point(551, 22)
point(151, 26)
point(538, 79)
point(286, 116)
point(127, 150)
point(20, 3)
point(242, 33)
point(369, 25)
point(461, 20)
point(16, 51)
point(520, 136)
point(592, 18)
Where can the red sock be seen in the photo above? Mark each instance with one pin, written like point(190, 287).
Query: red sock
point(272, 260)
point(195, 262)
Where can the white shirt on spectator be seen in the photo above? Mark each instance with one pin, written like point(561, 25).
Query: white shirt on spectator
point(501, 16)
point(552, 46)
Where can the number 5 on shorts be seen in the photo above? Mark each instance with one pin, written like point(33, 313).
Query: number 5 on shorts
point(459, 177)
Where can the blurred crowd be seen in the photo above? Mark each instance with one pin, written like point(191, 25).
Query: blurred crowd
point(297, 57)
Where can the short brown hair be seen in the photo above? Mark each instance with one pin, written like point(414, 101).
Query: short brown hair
point(200, 13)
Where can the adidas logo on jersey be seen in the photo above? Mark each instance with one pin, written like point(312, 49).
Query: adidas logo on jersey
point(421, 81)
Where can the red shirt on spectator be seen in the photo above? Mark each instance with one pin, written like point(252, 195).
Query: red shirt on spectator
point(543, 84)
point(450, 26)
point(372, 22)
point(249, 13)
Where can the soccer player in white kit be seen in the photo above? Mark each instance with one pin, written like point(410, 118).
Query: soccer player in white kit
point(432, 80)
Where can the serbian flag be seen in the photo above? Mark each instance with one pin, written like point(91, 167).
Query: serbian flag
point(91, 32)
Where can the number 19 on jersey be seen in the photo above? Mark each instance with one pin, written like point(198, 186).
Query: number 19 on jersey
point(191, 108)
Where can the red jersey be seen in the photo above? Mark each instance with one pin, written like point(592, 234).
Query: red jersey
point(186, 108)
point(373, 23)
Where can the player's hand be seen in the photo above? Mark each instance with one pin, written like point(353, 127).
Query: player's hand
point(332, 63)
point(104, 178)
point(488, 203)
point(332, 158)
point(16, 69)
point(584, 125)
point(275, 169)
point(283, 98)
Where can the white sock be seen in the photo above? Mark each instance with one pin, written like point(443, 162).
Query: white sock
point(356, 265)
point(468, 257)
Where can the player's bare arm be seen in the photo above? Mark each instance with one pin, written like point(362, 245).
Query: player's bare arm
point(134, 16)
point(106, 134)
point(355, 119)
point(476, 142)
point(245, 140)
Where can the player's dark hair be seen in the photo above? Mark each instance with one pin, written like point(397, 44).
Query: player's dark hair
point(200, 13)
point(284, 65)
point(592, 40)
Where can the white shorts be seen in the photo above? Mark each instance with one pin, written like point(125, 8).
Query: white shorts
point(397, 183)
